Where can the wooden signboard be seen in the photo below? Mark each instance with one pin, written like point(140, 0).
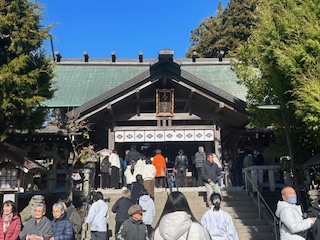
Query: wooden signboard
point(164, 102)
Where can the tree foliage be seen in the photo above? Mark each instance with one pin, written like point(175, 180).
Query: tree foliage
point(25, 71)
point(280, 64)
point(225, 31)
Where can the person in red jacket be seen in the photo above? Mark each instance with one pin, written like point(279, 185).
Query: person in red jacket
point(10, 223)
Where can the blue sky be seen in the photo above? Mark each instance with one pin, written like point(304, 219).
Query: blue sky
point(126, 27)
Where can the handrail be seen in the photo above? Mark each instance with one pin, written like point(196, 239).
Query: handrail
point(260, 198)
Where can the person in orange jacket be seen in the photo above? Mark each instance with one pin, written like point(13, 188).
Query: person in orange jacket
point(160, 164)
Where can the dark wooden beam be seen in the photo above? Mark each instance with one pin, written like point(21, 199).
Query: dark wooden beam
point(153, 117)
point(138, 101)
point(188, 105)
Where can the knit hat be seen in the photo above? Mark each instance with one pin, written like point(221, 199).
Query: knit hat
point(136, 208)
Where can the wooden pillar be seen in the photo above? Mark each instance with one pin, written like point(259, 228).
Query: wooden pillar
point(111, 142)
point(217, 141)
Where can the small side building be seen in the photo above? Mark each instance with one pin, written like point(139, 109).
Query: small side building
point(16, 172)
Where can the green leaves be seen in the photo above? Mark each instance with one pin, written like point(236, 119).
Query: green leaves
point(226, 31)
point(25, 72)
point(284, 46)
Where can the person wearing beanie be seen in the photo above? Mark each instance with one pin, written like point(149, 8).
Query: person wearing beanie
point(133, 228)
point(218, 222)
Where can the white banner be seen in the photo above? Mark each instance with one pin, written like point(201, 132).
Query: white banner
point(164, 135)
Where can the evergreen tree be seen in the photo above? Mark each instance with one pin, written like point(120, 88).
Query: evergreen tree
point(225, 31)
point(280, 64)
point(25, 71)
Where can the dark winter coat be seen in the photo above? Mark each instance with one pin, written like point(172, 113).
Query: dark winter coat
point(136, 189)
point(62, 228)
point(132, 230)
point(210, 170)
point(314, 211)
point(121, 209)
point(132, 155)
point(75, 219)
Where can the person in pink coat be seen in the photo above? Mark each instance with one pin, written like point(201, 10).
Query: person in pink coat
point(10, 223)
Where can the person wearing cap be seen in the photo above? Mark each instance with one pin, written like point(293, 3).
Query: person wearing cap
point(133, 228)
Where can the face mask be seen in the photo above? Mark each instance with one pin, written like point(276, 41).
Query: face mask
point(292, 199)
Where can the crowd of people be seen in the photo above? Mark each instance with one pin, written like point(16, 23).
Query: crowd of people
point(134, 217)
point(134, 220)
point(36, 226)
point(135, 209)
point(157, 171)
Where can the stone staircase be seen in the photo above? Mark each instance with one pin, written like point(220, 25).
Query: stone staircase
point(241, 208)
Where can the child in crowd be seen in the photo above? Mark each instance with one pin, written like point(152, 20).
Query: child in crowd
point(136, 189)
point(146, 202)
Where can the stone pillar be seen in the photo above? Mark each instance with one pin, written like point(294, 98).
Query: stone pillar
point(52, 178)
point(272, 185)
point(254, 178)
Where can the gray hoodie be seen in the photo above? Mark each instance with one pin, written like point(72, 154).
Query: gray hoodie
point(291, 220)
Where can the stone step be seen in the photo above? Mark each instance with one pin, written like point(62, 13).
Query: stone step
point(249, 222)
point(253, 229)
point(241, 208)
point(255, 236)
point(237, 204)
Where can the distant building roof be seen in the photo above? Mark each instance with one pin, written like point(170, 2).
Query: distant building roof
point(19, 157)
point(78, 82)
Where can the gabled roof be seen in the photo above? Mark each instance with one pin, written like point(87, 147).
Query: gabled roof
point(80, 82)
point(19, 158)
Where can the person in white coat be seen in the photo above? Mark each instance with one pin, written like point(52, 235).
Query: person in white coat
point(218, 222)
point(130, 174)
point(97, 217)
point(115, 169)
point(147, 204)
point(148, 175)
point(177, 222)
point(292, 224)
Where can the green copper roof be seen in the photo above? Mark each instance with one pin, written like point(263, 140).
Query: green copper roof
point(220, 76)
point(80, 82)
